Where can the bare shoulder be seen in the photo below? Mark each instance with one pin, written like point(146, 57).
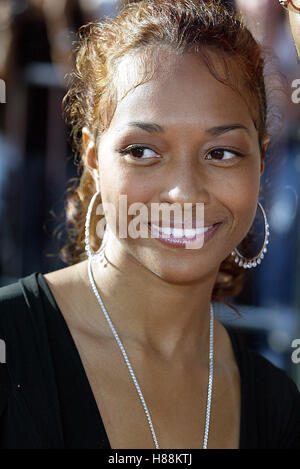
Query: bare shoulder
point(64, 276)
point(67, 288)
point(68, 279)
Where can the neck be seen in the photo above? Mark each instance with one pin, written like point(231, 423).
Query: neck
point(170, 319)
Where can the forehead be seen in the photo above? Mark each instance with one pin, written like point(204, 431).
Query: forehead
point(181, 91)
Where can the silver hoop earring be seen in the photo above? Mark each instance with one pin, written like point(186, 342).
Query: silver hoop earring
point(254, 261)
point(91, 254)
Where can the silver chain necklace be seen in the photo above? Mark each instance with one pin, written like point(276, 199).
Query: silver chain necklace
point(211, 363)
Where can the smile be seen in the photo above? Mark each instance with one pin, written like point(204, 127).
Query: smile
point(188, 238)
point(179, 232)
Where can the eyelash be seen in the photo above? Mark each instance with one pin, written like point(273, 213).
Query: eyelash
point(131, 148)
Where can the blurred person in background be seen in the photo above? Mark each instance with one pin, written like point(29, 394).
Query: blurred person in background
point(37, 49)
point(99, 9)
point(5, 35)
point(276, 289)
point(9, 157)
point(35, 56)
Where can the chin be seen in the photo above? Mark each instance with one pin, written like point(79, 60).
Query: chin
point(179, 278)
point(177, 270)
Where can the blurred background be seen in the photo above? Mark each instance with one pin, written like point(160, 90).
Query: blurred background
point(36, 162)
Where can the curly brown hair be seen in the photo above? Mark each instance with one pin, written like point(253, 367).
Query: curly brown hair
point(205, 27)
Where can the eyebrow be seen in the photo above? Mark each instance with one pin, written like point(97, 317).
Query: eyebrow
point(147, 126)
point(222, 129)
point(215, 131)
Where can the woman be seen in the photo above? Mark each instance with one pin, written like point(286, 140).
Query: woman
point(166, 106)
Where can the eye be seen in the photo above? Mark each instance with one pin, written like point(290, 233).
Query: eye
point(221, 154)
point(139, 152)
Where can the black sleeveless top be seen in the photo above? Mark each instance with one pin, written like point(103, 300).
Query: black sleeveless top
point(46, 400)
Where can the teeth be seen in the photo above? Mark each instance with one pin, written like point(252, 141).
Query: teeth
point(166, 231)
point(190, 233)
point(176, 232)
point(179, 232)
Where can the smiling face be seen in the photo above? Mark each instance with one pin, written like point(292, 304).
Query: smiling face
point(201, 147)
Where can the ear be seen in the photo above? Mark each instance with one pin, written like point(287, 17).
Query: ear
point(89, 149)
point(263, 154)
point(90, 154)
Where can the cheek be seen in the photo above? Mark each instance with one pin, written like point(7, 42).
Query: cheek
point(239, 194)
point(137, 189)
point(117, 182)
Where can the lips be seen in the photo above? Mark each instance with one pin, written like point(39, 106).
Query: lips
point(179, 239)
point(178, 232)
point(194, 224)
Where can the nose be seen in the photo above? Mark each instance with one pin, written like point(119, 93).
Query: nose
point(185, 184)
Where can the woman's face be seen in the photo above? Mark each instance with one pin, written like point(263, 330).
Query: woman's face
point(202, 148)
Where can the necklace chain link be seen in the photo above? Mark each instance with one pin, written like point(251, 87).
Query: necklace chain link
point(211, 362)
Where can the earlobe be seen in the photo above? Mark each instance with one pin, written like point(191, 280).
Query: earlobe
point(91, 156)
